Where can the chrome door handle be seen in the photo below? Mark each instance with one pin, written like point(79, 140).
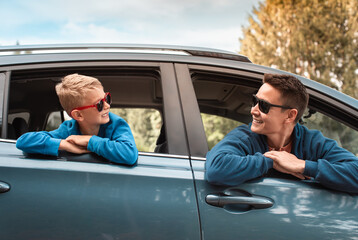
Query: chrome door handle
point(4, 187)
point(257, 202)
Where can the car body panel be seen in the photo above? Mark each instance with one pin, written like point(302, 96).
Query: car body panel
point(60, 199)
point(296, 213)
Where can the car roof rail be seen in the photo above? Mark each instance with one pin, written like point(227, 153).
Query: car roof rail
point(172, 49)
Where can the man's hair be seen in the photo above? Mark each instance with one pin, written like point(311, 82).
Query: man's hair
point(293, 92)
point(73, 88)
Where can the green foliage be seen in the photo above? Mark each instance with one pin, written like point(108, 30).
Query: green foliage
point(217, 127)
point(345, 136)
point(317, 39)
point(145, 125)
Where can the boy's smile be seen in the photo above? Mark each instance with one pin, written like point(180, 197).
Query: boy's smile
point(91, 119)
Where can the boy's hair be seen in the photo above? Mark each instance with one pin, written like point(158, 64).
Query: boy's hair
point(293, 92)
point(73, 88)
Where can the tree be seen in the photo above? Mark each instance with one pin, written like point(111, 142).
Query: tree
point(317, 39)
point(145, 125)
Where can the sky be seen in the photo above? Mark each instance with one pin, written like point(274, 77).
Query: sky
point(199, 23)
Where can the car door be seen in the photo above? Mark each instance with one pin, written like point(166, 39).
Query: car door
point(272, 207)
point(76, 197)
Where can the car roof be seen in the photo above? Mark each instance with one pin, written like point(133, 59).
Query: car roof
point(134, 48)
point(51, 53)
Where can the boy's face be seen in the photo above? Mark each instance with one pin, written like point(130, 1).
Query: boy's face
point(91, 117)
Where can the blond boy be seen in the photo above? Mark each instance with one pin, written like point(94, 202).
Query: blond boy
point(92, 129)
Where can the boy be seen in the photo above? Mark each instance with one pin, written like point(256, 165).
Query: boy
point(92, 129)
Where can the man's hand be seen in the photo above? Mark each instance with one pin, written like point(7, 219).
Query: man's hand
point(71, 147)
point(287, 163)
point(80, 140)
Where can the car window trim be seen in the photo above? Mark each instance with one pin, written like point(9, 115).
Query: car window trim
point(5, 104)
point(173, 115)
point(195, 132)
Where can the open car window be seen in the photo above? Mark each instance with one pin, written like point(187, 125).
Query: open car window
point(225, 102)
point(136, 97)
point(345, 136)
point(145, 123)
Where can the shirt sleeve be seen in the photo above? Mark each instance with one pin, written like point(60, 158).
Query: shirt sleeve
point(43, 142)
point(236, 159)
point(333, 166)
point(118, 145)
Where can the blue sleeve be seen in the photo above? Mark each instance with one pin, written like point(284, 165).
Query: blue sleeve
point(332, 166)
point(236, 159)
point(43, 142)
point(117, 146)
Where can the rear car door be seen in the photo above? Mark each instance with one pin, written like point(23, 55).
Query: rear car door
point(80, 197)
point(276, 206)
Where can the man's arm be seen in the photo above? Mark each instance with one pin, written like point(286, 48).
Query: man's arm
point(233, 168)
point(320, 158)
point(237, 158)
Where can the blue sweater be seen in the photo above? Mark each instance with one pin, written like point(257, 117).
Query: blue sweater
point(114, 142)
point(239, 157)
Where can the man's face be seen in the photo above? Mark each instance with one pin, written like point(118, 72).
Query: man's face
point(92, 117)
point(272, 122)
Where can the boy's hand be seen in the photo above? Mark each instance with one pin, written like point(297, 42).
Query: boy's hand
point(71, 147)
point(79, 140)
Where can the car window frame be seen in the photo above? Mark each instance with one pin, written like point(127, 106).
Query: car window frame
point(198, 146)
point(328, 105)
point(172, 114)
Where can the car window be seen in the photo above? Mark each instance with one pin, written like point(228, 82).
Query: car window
point(18, 124)
point(136, 96)
point(345, 136)
point(216, 128)
point(225, 102)
point(55, 119)
point(145, 124)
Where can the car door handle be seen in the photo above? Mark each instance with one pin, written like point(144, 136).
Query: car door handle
point(257, 202)
point(4, 187)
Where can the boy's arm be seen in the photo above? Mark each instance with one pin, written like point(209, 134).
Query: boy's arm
point(48, 143)
point(43, 142)
point(72, 147)
point(119, 147)
point(38, 142)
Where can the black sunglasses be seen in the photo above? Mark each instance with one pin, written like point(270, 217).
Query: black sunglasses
point(265, 106)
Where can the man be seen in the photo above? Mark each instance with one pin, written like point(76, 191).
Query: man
point(275, 140)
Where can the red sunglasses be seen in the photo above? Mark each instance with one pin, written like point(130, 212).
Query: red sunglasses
point(107, 98)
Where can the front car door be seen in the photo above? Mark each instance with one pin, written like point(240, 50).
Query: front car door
point(272, 207)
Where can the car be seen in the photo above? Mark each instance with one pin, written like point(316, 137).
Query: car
point(169, 95)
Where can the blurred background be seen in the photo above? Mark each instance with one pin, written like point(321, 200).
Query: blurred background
point(317, 39)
